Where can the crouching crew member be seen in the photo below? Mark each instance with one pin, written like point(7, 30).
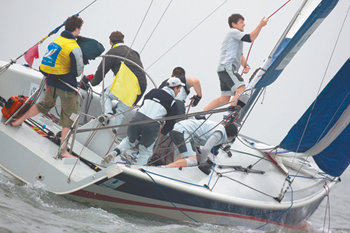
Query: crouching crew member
point(157, 103)
point(189, 134)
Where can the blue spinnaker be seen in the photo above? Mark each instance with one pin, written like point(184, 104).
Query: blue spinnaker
point(324, 130)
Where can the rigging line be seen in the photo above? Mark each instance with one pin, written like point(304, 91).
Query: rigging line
point(250, 110)
point(13, 61)
point(216, 181)
point(166, 197)
point(143, 20)
point(87, 6)
point(128, 60)
point(155, 26)
point(182, 143)
point(256, 156)
point(138, 30)
point(213, 169)
point(328, 208)
point(154, 120)
point(251, 45)
point(279, 9)
point(246, 60)
point(319, 89)
point(283, 212)
point(266, 194)
point(188, 33)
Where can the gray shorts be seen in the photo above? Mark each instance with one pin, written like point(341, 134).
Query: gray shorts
point(230, 80)
point(178, 135)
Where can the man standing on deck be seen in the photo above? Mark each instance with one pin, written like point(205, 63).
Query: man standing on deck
point(231, 58)
point(62, 63)
point(157, 104)
point(111, 63)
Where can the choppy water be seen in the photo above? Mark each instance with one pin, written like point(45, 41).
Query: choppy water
point(26, 208)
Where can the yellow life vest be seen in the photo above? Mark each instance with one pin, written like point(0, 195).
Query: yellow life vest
point(57, 59)
point(117, 44)
point(125, 85)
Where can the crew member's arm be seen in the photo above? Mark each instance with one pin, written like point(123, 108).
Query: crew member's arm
point(213, 140)
point(204, 151)
point(254, 34)
point(194, 82)
point(76, 62)
point(169, 125)
point(109, 62)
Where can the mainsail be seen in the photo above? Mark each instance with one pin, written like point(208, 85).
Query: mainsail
point(304, 23)
point(309, 18)
point(324, 130)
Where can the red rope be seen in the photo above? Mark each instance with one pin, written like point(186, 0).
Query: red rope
point(246, 60)
point(279, 9)
point(189, 106)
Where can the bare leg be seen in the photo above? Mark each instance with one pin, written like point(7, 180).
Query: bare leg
point(65, 153)
point(30, 113)
point(180, 162)
point(238, 93)
point(217, 102)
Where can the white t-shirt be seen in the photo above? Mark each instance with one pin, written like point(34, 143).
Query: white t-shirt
point(232, 48)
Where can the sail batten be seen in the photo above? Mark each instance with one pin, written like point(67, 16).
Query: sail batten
point(324, 129)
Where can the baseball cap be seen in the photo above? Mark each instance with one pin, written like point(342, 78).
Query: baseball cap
point(174, 82)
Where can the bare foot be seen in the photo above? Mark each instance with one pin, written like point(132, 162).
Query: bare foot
point(66, 154)
point(15, 123)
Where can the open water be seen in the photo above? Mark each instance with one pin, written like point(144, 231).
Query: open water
point(25, 208)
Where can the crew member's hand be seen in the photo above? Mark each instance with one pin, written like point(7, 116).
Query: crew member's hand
point(90, 77)
point(246, 69)
point(195, 100)
point(85, 81)
point(264, 21)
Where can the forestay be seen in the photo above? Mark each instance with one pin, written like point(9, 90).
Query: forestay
point(324, 129)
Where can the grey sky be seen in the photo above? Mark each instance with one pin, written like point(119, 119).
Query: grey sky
point(23, 23)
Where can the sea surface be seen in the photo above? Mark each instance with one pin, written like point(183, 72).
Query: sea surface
point(27, 208)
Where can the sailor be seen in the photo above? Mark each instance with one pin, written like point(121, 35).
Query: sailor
point(192, 133)
point(61, 64)
point(157, 103)
point(231, 58)
point(189, 82)
point(119, 49)
point(163, 143)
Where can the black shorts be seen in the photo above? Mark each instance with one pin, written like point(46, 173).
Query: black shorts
point(230, 80)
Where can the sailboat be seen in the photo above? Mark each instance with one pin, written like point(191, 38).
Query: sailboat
point(251, 184)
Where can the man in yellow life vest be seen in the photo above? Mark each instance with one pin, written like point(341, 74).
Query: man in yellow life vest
point(130, 80)
point(61, 64)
